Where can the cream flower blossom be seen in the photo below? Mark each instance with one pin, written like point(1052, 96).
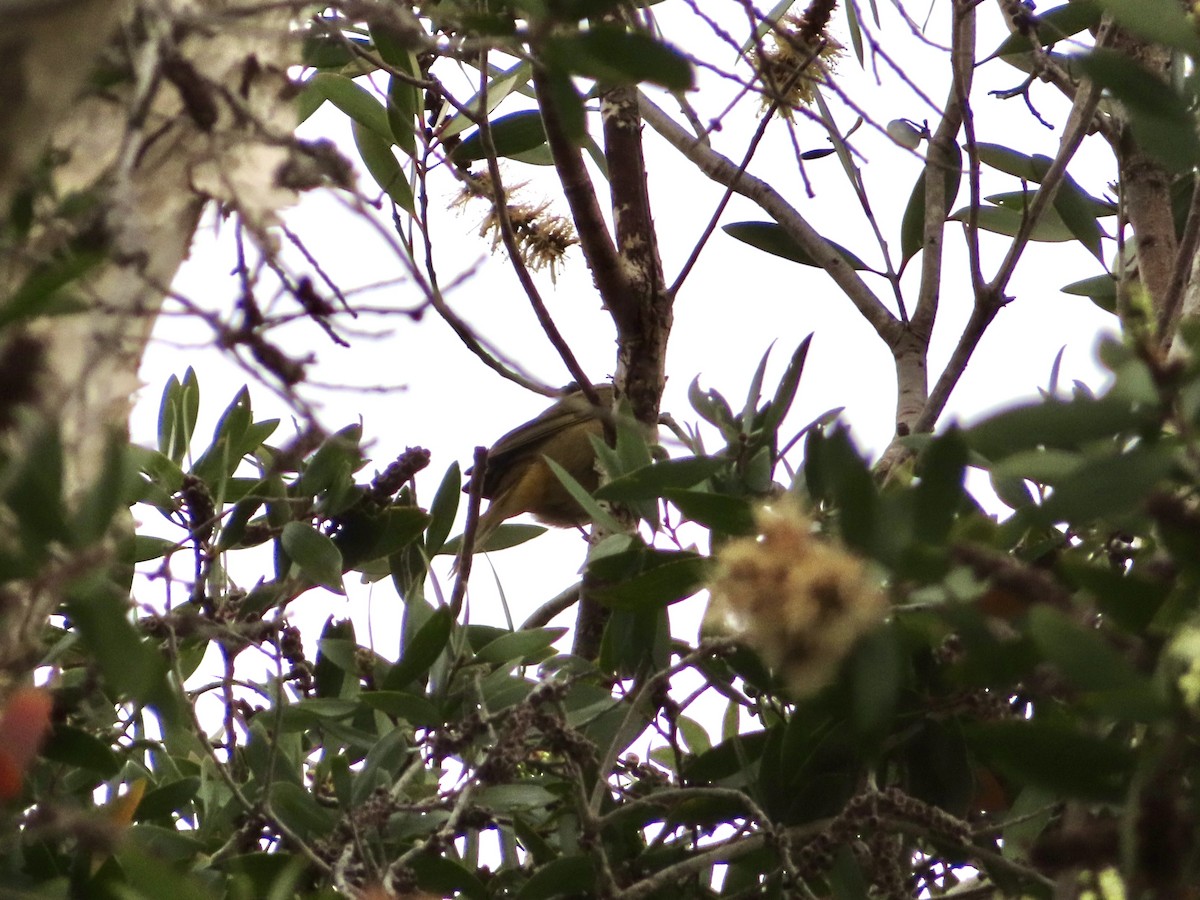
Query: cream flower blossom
point(798, 600)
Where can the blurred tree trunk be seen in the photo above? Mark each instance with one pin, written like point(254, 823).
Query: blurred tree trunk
point(102, 184)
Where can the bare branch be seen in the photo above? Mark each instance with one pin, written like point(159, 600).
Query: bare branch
point(724, 171)
point(597, 244)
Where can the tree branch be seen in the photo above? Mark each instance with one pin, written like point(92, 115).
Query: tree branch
point(597, 244)
point(992, 299)
point(724, 171)
point(939, 159)
point(507, 235)
point(643, 313)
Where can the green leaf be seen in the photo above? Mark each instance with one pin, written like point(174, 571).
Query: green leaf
point(337, 457)
point(635, 641)
point(392, 45)
point(168, 427)
point(404, 105)
point(150, 865)
point(223, 456)
point(661, 586)
point(35, 492)
point(133, 668)
point(42, 291)
point(652, 480)
point(912, 225)
point(612, 55)
point(853, 489)
point(445, 876)
point(580, 494)
point(168, 798)
point(177, 415)
point(1052, 26)
point(1008, 221)
point(355, 101)
point(731, 760)
point(403, 114)
point(147, 547)
point(519, 646)
point(1161, 120)
point(856, 40)
point(385, 534)
point(560, 91)
point(1013, 162)
point(443, 509)
point(1068, 426)
point(77, 748)
point(1093, 665)
point(317, 557)
point(1042, 465)
point(512, 134)
point(384, 168)
point(785, 393)
point(298, 809)
point(713, 408)
point(269, 875)
point(422, 651)
point(939, 494)
point(1111, 485)
point(770, 237)
point(720, 512)
point(326, 51)
point(417, 711)
point(768, 23)
point(1126, 599)
point(1159, 21)
point(938, 766)
point(113, 487)
point(1100, 289)
point(876, 677)
point(1056, 757)
point(507, 535)
point(497, 89)
point(1075, 208)
point(309, 99)
point(846, 878)
point(538, 156)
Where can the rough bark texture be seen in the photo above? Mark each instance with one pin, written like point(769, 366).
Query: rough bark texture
point(47, 50)
point(644, 315)
point(1146, 186)
point(197, 111)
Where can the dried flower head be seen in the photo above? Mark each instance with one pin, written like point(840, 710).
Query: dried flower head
point(542, 239)
point(796, 599)
point(800, 56)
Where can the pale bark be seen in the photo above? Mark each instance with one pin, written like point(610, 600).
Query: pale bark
point(203, 114)
point(47, 50)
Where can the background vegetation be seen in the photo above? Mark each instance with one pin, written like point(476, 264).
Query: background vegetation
point(898, 691)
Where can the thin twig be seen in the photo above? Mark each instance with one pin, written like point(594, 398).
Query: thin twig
point(595, 241)
point(992, 299)
point(1168, 316)
point(541, 616)
point(466, 552)
point(724, 171)
point(508, 236)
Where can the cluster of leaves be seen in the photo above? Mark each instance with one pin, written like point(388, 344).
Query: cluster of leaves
point(606, 51)
point(1029, 707)
point(1031, 665)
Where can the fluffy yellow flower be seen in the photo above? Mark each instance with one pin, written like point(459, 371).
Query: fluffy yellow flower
point(799, 57)
point(796, 599)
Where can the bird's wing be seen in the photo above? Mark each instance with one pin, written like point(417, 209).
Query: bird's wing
point(570, 410)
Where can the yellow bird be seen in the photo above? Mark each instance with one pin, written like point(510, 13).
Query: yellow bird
point(518, 479)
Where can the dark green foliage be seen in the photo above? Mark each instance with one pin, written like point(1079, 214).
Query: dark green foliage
point(1017, 660)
